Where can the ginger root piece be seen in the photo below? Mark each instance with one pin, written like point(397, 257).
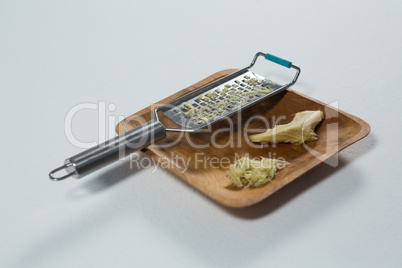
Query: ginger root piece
point(299, 131)
point(247, 172)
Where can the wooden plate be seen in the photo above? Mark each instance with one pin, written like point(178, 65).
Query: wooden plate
point(205, 168)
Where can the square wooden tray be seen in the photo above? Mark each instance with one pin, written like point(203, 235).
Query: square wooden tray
point(337, 131)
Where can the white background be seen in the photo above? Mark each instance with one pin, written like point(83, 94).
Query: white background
point(57, 54)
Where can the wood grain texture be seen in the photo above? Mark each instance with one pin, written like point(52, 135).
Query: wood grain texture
point(177, 151)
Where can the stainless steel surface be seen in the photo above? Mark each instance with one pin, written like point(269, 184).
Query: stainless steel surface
point(54, 171)
point(174, 109)
point(231, 106)
point(99, 156)
point(224, 97)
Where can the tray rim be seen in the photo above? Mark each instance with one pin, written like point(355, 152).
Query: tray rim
point(235, 203)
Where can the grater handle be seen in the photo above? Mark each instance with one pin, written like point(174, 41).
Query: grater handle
point(99, 156)
point(278, 60)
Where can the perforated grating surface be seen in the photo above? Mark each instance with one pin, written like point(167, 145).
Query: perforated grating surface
point(221, 100)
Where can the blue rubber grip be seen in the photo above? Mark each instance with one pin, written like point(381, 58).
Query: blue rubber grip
point(278, 60)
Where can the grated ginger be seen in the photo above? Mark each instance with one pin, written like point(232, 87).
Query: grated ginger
point(299, 131)
point(247, 172)
point(190, 113)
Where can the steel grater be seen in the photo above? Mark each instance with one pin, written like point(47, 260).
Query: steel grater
point(191, 112)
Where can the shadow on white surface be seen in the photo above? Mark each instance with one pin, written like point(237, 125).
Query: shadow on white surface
point(259, 230)
point(269, 224)
point(205, 232)
point(102, 181)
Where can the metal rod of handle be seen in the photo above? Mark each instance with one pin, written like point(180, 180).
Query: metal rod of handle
point(279, 61)
point(99, 156)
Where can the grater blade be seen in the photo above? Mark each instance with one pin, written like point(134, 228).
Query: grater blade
point(221, 99)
